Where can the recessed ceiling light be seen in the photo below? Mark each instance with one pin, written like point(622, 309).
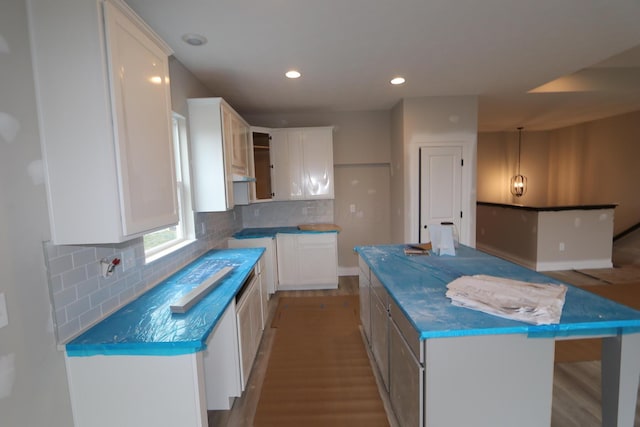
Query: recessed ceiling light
point(292, 74)
point(397, 80)
point(194, 39)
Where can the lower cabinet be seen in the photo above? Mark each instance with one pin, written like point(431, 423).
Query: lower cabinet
point(269, 273)
point(249, 317)
point(222, 371)
point(396, 348)
point(233, 345)
point(307, 261)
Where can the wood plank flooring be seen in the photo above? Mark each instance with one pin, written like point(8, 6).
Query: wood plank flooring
point(576, 386)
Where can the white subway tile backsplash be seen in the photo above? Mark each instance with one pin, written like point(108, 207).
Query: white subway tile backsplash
point(65, 297)
point(80, 295)
point(83, 257)
point(88, 286)
point(78, 307)
point(60, 264)
point(73, 277)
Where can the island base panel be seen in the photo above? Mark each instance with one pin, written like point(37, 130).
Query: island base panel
point(488, 381)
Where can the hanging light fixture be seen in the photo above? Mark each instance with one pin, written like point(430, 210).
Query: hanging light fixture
point(519, 181)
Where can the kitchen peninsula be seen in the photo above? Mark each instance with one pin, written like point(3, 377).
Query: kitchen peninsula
point(144, 365)
point(444, 365)
point(546, 238)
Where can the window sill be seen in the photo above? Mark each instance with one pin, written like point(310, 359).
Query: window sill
point(167, 251)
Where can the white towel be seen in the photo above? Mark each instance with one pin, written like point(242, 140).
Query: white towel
point(536, 303)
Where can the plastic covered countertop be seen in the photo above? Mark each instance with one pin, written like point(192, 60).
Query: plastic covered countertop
point(418, 284)
point(256, 233)
point(146, 326)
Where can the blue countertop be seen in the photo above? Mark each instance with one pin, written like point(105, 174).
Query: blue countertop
point(418, 285)
point(146, 326)
point(256, 233)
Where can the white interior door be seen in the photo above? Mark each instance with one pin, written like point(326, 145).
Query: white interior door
point(440, 187)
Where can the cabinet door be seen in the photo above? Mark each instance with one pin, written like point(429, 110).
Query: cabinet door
point(222, 363)
point(240, 147)
point(296, 166)
point(317, 163)
point(141, 106)
point(380, 337)
point(406, 379)
point(227, 149)
point(279, 151)
point(249, 315)
point(318, 259)
point(287, 254)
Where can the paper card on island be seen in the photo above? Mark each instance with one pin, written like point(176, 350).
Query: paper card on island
point(442, 239)
point(418, 249)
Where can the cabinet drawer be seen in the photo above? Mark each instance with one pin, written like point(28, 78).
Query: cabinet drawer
point(407, 330)
point(379, 291)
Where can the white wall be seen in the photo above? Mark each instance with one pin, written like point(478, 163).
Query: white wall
point(33, 386)
point(429, 121)
point(361, 156)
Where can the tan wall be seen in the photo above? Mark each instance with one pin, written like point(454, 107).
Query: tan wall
point(361, 155)
point(397, 177)
point(589, 163)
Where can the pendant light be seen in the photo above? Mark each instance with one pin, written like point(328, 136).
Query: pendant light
point(519, 182)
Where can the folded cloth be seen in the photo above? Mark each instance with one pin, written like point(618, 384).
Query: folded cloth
point(535, 303)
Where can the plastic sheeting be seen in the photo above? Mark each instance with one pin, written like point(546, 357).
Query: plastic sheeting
point(418, 286)
point(536, 303)
point(146, 326)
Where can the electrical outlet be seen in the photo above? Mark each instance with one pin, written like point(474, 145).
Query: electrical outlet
point(561, 247)
point(352, 208)
point(128, 259)
point(4, 316)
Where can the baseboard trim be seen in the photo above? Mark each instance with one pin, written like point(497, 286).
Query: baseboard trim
point(348, 271)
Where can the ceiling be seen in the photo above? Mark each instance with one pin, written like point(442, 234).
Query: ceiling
point(541, 64)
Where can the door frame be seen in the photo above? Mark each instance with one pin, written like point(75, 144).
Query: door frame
point(468, 190)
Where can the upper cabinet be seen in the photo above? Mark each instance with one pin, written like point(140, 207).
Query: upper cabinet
point(102, 87)
point(219, 140)
point(302, 161)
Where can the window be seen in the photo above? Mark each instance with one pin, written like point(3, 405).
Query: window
point(167, 240)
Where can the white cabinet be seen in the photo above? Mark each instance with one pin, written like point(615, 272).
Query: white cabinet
point(307, 261)
point(105, 121)
point(269, 273)
point(302, 160)
point(249, 318)
point(222, 363)
point(219, 150)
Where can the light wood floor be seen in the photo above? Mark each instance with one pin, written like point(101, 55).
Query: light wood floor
point(576, 387)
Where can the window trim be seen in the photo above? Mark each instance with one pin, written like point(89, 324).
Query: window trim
point(185, 226)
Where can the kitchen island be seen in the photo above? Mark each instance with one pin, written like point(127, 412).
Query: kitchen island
point(145, 365)
point(465, 367)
